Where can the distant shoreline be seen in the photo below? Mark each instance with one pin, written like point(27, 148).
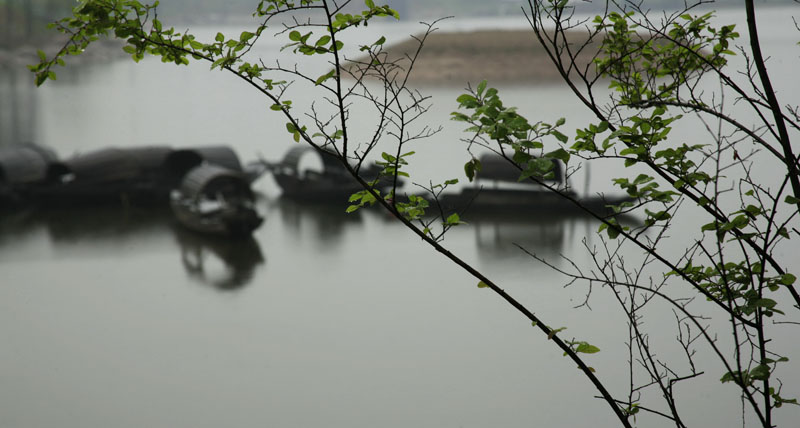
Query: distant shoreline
point(499, 56)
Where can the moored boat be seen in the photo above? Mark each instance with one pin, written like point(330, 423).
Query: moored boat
point(497, 188)
point(132, 175)
point(216, 200)
point(332, 184)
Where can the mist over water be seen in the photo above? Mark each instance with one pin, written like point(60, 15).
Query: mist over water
point(118, 317)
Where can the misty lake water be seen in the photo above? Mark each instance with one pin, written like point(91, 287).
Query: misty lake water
point(118, 318)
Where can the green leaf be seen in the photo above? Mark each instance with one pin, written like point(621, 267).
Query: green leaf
point(220, 37)
point(791, 200)
point(481, 87)
point(787, 279)
point(714, 225)
point(295, 36)
point(740, 221)
point(467, 100)
point(587, 348)
point(559, 136)
point(246, 36)
point(472, 167)
point(352, 208)
point(728, 377)
point(765, 303)
point(41, 78)
point(560, 154)
point(555, 331)
point(482, 284)
point(453, 219)
point(613, 231)
point(760, 372)
point(325, 77)
point(324, 40)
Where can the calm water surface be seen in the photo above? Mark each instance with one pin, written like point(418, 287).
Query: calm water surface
point(116, 317)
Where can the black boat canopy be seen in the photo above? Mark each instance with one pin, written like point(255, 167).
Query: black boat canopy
point(209, 179)
point(291, 161)
point(25, 164)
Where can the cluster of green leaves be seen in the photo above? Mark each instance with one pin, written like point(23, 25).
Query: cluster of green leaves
point(339, 21)
point(761, 372)
point(296, 132)
point(391, 165)
point(643, 141)
point(652, 67)
point(411, 207)
point(363, 198)
point(323, 45)
point(90, 20)
point(506, 128)
point(143, 32)
point(751, 214)
point(492, 121)
point(734, 283)
point(266, 7)
point(346, 20)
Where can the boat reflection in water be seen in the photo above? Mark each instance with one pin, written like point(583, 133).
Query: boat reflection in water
point(115, 231)
point(502, 237)
point(322, 224)
point(224, 264)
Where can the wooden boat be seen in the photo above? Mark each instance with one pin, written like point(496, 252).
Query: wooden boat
point(497, 188)
point(110, 174)
point(332, 184)
point(215, 200)
point(131, 175)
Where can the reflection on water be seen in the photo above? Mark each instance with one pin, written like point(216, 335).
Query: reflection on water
point(100, 225)
point(91, 231)
point(240, 258)
point(325, 223)
point(498, 236)
point(231, 264)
